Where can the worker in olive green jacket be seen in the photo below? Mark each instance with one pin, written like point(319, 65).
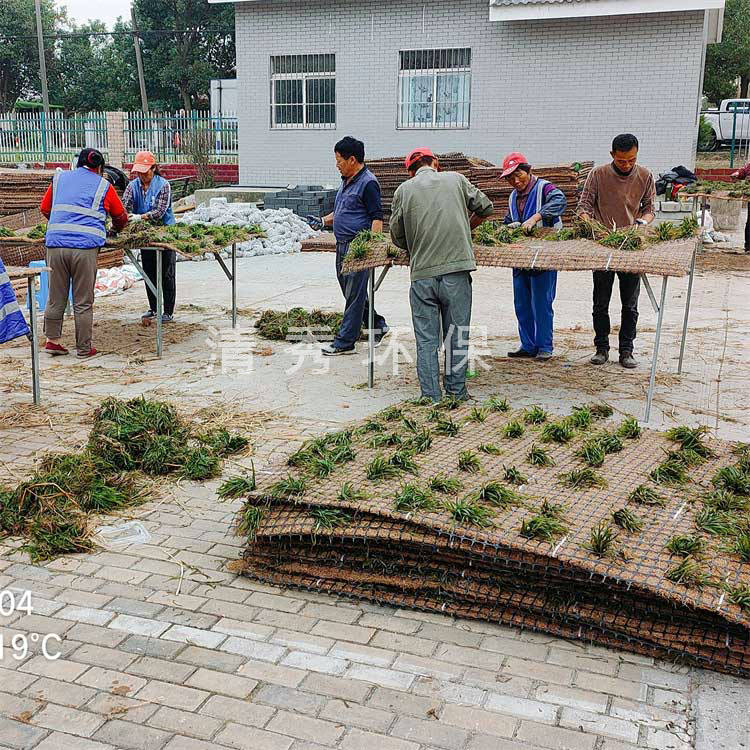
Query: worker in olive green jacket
point(432, 216)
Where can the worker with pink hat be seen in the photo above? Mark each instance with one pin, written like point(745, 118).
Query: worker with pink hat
point(148, 197)
point(533, 203)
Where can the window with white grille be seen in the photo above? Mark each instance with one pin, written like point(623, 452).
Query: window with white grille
point(434, 88)
point(303, 91)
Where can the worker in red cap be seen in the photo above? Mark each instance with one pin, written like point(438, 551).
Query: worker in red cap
point(534, 202)
point(432, 216)
point(148, 197)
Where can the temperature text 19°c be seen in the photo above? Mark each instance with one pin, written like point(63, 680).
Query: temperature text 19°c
point(15, 601)
point(19, 646)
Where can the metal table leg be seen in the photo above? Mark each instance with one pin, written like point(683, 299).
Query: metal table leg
point(371, 332)
point(687, 310)
point(660, 310)
point(34, 343)
point(234, 285)
point(159, 302)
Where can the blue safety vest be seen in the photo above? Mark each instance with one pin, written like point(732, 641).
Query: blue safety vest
point(78, 215)
point(144, 202)
point(12, 322)
point(534, 204)
point(349, 214)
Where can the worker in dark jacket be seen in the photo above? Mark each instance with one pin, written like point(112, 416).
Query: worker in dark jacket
point(534, 202)
point(358, 206)
point(77, 204)
point(744, 174)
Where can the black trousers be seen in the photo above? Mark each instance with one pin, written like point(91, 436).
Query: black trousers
point(168, 276)
point(630, 289)
point(747, 230)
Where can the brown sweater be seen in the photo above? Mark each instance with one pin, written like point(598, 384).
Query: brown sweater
point(609, 197)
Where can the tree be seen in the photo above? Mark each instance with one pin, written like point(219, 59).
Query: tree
point(19, 55)
point(179, 68)
point(730, 60)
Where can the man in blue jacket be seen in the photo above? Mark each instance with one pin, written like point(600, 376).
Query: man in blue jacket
point(12, 322)
point(358, 206)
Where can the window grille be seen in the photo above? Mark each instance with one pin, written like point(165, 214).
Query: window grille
point(434, 88)
point(303, 91)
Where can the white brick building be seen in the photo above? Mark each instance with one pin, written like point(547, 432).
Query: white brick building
point(556, 79)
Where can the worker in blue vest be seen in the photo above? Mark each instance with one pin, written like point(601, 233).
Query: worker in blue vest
point(358, 206)
point(77, 204)
point(534, 202)
point(149, 198)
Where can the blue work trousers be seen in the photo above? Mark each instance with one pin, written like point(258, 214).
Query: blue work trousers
point(357, 308)
point(441, 314)
point(533, 295)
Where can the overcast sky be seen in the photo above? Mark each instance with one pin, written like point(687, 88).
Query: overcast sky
point(104, 10)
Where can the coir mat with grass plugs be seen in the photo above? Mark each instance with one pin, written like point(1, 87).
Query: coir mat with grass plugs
point(130, 439)
point(561, 524)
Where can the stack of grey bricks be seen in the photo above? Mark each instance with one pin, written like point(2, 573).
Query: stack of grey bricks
point(303, 200)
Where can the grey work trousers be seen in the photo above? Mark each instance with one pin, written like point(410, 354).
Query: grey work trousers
point(444, 298)
point(79, 265)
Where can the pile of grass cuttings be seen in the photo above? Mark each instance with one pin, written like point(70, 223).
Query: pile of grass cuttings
point(38, 232)
point(628, 238)
point(738, 189)
point(191, 239)
point(276, 325)
point(51, 508)
point(494, 234)
point(361, 246)
point(5, 232)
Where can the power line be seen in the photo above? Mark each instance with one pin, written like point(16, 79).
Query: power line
point(142, 32)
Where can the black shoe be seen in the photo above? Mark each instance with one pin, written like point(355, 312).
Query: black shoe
point(167, 318)
point(543, 356)
point(329, 350)
point(148, 315)
point(601, 356)
point(380, 335)
point(627, 361)
point(521, 354)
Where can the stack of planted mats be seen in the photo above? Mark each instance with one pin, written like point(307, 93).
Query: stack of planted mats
point(575, 526)
point(23, 189)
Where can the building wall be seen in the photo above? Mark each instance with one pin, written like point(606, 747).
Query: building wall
point(557, 90)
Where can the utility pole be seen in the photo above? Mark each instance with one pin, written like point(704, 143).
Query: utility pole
point(138, 60)
point(42, 62)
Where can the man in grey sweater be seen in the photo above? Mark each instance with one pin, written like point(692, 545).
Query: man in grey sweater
point(432, 216)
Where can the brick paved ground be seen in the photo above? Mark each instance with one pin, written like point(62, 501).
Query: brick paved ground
point(164, 649)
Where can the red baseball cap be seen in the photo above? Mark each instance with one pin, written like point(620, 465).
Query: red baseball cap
point(143, 161)
point(512, 162)
point(416, 155)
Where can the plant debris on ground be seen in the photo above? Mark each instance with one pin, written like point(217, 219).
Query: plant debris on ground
point(51, 509)
point(276, 325)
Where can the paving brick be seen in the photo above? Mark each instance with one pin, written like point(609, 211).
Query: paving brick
point(457, 634)
point(344, 632)
point(86, 615)
point(153, 647)
point(661, 739)
point(219, 682)
point(204, 657)
point(18, 735)
point(486, 742)
point(451, 692)
point(68, 720)
point(612, 686)
point(185, 617)
point(96, 635)
point(661, 678)
point(599, 664)
point(138, 625)
point(647, 714)
point(62, 693)
point(169, 671)
point(356, 739)
point(253, 649)
point(84, 598)
point(15, 705)
point(555, 738)
point(290, 699)
point(402, 703)
point(127, 736)
point(314, 662)
point(183, 722)
point(535, 670)
point(243, 629)
point(134, 607)
point(189, 743)
point(122, 575)
point(420, 665)
point(120, 707)
point(276, 603)
point(329, 612)
point(376, 657)
point(515, 647)
point(109, 658)
point(353, 715)
point(597, 724)
point(59, 741)
point(296, 641)
point(118, 683)
point(669, 699)
point(391, 623)
point(14, 682)
point(476, 720)
point(59, 669)
point(193, 636)
point(232, 610)
point(384, 677)
point(471, 657)
point(573, 698)
point(523, 708)
point(231, 709)
point(610, 744)
point(249, 738)
point(305, 728)
point(285, 620)
point(174, 696)
point(430, 732)
point(274, 673)
point(43, 625)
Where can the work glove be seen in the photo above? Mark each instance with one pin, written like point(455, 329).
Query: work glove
point(135, 217)
point(315, 222)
